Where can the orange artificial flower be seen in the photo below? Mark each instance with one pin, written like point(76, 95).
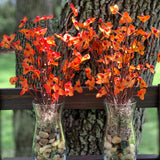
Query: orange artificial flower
point(42, 18)
point(6, 41)
point(90, 83)
point(23, 21)
point(102, 78)
point(27, 32)
point(114, 9)
point(101, 92)
point(26, 68)
point(144, 18)
point(16, 45)
point(88, 72)
point(150, 67)
point(155, 32)
point(75, 23)
point(13, 80)
point(158, 57)
point(58, 90)
point(28, 52)
point(68, 89)
point(142, 83)
point(125, 18)
point(141, 93)
point(75, 11)
point(78, 87)
point(25, 86)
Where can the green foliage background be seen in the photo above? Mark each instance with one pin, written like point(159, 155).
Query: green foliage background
point(7, 18)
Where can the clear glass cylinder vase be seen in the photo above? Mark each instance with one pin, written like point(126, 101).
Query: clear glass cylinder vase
point(120, 140)
point(49, 140)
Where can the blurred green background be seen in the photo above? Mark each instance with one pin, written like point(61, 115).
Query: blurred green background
point(149, 143)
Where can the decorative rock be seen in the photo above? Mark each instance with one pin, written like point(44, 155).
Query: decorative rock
point(46, 155)
point(52, 135)
point(37, 137)
point(48, 130)
point(39, 158)
point(51, 140)
point(43, 142)
point(113, 149)
point(116, 140)
point(43, 134)
point(60, 151)
point(48, 150)
point(41, 150)
point(55, 144)
point(57, 157)
point(47, 146)
point(108, 145)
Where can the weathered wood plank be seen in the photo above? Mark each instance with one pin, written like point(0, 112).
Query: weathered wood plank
point(10, 100)
point(92, 157)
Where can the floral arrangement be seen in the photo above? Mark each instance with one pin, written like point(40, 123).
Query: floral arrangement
point(39, 58)
point(113, 51)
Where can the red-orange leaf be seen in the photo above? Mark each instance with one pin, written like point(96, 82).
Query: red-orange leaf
point(28, 51)
point(13, 80)
point(114, 9)
point(23, 21)
point(144, 18)
point(7, 41)
point(75, 11)
point(78, 87)
point(158, 57)
point(101, 92)
point(141, 93)
point(126, 18)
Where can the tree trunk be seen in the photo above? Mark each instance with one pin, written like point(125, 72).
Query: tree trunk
point(24, 120)
point(84, 129)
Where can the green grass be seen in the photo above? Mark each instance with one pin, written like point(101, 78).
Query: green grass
point(7, 69)
point(149, 143)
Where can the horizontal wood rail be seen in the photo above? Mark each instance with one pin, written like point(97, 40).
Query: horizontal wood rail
point(11, 100)
point(91, 157)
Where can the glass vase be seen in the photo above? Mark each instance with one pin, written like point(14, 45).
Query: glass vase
point(120, 141)
point(49, 140)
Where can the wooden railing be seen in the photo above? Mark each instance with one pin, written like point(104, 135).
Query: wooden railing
point(11, 100)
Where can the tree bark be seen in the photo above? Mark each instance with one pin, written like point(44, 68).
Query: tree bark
point(24, 120)
point(84, 129)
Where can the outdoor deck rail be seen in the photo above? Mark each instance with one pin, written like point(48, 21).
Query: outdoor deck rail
point(11, 100)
